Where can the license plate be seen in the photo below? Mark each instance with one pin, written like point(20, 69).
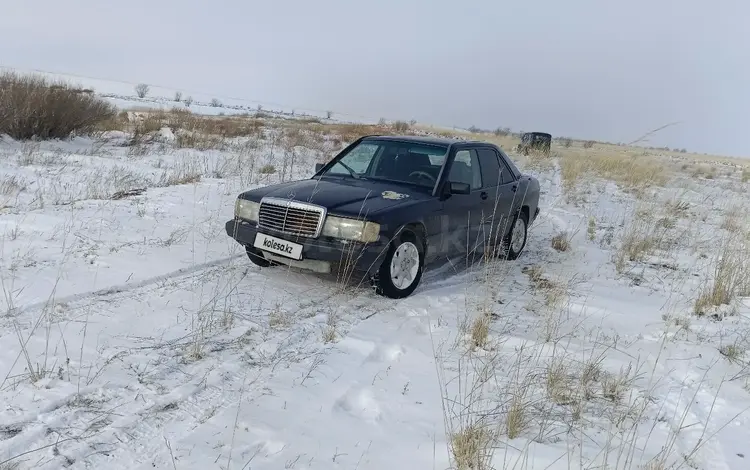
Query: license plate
point(278, 246)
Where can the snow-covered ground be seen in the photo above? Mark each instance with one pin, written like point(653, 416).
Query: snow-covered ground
point(136, 335)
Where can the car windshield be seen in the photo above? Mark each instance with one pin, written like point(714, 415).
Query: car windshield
point(405, 162)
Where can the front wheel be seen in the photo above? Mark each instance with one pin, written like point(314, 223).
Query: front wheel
point(401, 269)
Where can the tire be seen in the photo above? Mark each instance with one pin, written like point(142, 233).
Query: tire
point(257, 258)
point(393, 283)
point(514, 244)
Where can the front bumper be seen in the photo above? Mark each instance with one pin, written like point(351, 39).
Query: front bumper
point(338, 254)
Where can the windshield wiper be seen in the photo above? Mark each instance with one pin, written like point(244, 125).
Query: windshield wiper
point(351, 172)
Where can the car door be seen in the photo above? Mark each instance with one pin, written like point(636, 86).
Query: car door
point(462, 213)
point(509, 200)
point(494, 210)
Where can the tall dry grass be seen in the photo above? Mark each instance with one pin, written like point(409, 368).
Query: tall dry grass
point(730, 277)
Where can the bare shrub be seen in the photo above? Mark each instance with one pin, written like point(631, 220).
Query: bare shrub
point(588, 144)
point(188, 101)
point(141, 90)
point(178, 96)
point(33, 107)
point(401, 126)
point(215, 103)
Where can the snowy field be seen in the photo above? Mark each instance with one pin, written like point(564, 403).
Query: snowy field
point(136, 335)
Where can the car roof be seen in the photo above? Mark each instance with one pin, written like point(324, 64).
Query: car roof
point(422, 139)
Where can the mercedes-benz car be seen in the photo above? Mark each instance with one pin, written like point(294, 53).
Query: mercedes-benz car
point(385, 207)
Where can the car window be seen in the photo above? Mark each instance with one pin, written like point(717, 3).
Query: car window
point(509, 169)
point(466, 169)
point(491, 169)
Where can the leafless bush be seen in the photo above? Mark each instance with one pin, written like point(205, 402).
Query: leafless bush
point(215, 103)
point(400, 126)
point(177, 96)
point(141, 90)
point(188, 101)
point(33, 107)
point(588, 144)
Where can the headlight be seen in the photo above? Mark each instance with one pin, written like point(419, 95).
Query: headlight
point(351, 229)
point(247, 210)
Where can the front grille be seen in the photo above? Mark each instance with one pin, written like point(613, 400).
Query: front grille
point(292, 217)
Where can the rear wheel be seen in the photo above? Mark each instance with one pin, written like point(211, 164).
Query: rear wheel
point(257, 257)
point(516, 240)
point(401, 269)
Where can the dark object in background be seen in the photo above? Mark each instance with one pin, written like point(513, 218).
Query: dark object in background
point(539, 141)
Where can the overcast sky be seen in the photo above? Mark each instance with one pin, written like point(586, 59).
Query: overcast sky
point(609, 70)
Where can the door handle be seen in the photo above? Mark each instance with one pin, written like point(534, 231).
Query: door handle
point(514, 187)
point(483, 195)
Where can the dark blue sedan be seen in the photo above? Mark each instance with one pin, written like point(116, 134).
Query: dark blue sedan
point(387, 206)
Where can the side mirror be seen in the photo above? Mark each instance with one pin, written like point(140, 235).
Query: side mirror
point(460, 188)
point(451, 188)
point(319, 166)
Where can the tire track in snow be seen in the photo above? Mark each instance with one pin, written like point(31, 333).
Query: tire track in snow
point(120, 288)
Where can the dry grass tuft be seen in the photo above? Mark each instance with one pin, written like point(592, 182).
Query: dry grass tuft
point(591, 229)
point(731, 222)
point(561, 241)
point(643, 235)
point(730, 277)
point(614, 386)
point(732, 352)
point(33, 107)
point(558, 383)
point(469, 448)
point(278, 319)
point(517, 418)
point(480, 331)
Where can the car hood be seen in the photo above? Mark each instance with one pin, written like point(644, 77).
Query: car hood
point(344, 197)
